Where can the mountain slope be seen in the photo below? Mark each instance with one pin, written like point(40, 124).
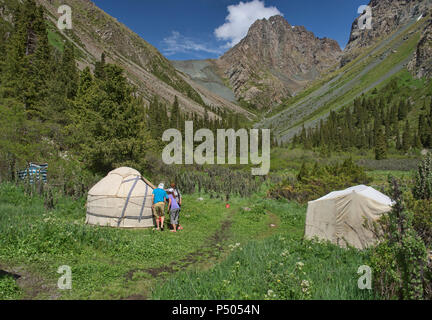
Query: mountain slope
point(203, 73)
point(95, 32)
point(276, 60)
point(421, 64)
point(373, 66)
point(387, 17)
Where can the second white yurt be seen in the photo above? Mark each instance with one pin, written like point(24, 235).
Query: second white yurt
point(122, 199)
point(347, 217)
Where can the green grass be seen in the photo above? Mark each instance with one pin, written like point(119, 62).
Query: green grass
point(9, 289)
point(274, 263)
point(100, 258)
point(55, 39)
point(258, 250)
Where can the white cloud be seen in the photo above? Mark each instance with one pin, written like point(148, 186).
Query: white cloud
point(240, 18)
point(178, 43)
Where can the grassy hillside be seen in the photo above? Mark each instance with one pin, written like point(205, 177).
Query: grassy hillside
point(375, 67)
point(115, 38)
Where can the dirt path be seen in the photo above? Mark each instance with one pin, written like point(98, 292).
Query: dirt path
point(208, 250)
point(211, 249)
point(31, 285)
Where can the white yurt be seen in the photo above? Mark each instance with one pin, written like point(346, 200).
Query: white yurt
point(347, 217)
point(122, 199)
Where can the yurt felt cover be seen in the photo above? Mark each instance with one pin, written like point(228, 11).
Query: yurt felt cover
point(122, 199)
point(347, 217)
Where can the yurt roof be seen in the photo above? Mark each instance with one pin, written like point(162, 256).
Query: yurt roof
point(363, 190)
point(125, 172)
point(114, 182)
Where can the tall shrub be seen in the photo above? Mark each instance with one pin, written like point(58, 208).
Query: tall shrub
point(400, 261)
point(423, 180)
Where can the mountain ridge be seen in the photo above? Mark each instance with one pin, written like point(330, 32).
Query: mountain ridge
point(95, 32)
point(372, 66)
point(272, 62)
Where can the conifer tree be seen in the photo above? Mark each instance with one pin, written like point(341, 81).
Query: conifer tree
point(407, 138)
point(175, 114)
point(109, 123)
point(304, 172)
point(403, 110)
point(398, 139)
point(380, 146)
point(69, 75)
point(99, 72)
point(417, 142)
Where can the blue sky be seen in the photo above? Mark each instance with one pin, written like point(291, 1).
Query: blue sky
point(199, 29)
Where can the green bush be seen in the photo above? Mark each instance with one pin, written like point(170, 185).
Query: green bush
point(316, 182)
point(9, 290)
point(422, 220)
point(400, 261)
point(423, 180)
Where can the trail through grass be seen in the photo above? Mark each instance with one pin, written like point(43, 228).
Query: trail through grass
point(281, 266)
point(101, 258)
point(253, 250)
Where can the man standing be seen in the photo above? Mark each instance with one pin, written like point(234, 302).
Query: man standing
point(159, 196)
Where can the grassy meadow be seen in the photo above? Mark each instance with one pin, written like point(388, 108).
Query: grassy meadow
point(252, 250)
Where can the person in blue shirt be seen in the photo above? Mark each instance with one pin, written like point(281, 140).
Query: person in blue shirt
point(159, 196)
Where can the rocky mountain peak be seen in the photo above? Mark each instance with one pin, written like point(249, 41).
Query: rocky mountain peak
point(387, 16)
point(276, 60)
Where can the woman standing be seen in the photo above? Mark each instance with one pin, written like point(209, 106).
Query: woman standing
point(174, 209)
point(178, 197)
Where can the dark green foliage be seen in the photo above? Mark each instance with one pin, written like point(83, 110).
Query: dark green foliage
point(425, 126)
point(28, 61)
point(47, 107)
point(422, 219)
point(407, 139)
point(218, 181)
point(108, 125)
point(313, 184)
point(303, 173)
point(376, 121)
point(100, 67)
point(423, 180)
point(380, 146)
point(175, 120)
point(400, 261)
point(19, 139)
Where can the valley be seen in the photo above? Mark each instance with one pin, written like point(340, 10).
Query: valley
point(322, 119)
